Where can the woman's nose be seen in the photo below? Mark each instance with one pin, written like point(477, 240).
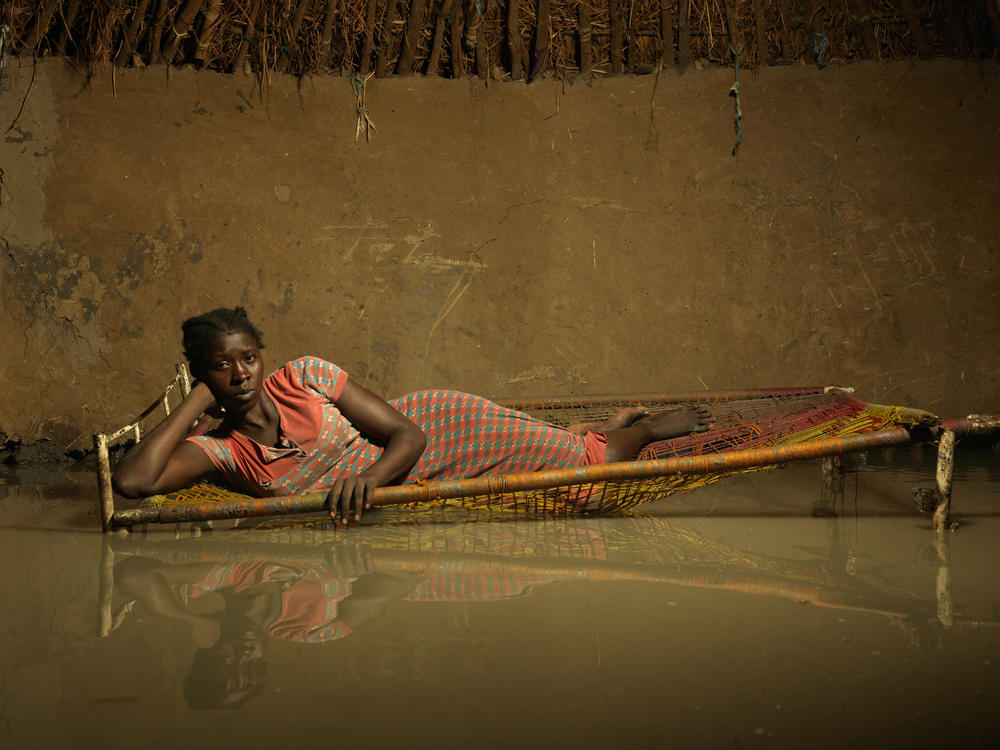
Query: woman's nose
point(240, 372)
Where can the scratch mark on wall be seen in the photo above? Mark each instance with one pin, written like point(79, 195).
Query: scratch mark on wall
point(439, 262)
point(378, 250)
point(857, 195)
point(354, 246)
point(868, 281)
point(418, 239)
point(906, 383)
point(363, 316)
point(536, 373)
point(585, 202)
point(884, 375)
point(371, 223)
point(361, 235)
point(930, 261)
point(449, 303)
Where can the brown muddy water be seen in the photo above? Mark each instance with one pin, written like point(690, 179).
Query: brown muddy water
point(762, 611)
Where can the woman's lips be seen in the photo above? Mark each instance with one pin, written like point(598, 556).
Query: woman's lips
point(243, 395)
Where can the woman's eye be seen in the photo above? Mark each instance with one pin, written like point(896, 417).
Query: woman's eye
point(220, 365)
point(249, 357)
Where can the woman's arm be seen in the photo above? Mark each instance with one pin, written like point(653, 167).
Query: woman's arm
point(163, 461)
point(371, 595)
point(403, 444)
point(149, 582)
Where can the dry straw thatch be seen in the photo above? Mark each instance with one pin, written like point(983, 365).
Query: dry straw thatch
point(491, 39)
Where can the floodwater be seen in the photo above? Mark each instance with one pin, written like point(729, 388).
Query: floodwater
point(763, 611)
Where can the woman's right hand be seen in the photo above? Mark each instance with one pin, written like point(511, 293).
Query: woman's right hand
point(213, 410)
point(163, 461)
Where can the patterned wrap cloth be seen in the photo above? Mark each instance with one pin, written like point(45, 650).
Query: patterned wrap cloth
point(467, 436)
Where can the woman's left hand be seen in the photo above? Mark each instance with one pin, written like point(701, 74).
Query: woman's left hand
point(350, 497)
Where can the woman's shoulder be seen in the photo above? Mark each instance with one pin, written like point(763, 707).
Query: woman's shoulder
point(217, 443)
point(306, 366)
point(309, 372)
point(210, 430)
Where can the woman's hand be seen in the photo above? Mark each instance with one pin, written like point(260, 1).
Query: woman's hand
point(349, 557)
point(163, 461)
point(402, 445)
point(350, 497)
point(214, 410)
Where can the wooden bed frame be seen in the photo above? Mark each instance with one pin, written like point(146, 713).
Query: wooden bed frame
point(930, 428)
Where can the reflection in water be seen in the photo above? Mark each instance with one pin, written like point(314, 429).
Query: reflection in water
point(306, 584)
point(756, 611)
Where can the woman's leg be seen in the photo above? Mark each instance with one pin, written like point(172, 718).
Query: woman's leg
point(624, 418)
point(624, 444)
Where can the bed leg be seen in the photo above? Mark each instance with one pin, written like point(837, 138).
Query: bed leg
point(105, 494)
point(945, 608)
point(945, 469)
point(831, 488)
point(105, 590)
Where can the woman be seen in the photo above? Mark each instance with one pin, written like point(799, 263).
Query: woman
point(308, 427)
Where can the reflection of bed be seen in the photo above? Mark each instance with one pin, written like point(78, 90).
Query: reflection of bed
point(754, 429)
point(646, 549)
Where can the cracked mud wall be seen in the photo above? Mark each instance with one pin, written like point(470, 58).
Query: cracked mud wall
point(516, 240)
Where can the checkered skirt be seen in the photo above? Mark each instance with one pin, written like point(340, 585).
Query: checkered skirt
point(468, 436)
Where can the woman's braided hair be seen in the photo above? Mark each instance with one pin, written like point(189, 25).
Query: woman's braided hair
point(200, 330)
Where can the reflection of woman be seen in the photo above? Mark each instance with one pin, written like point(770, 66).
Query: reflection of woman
point(292, 602)
point(308, 427)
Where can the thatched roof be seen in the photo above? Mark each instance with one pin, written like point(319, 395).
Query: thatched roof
point(494, 39)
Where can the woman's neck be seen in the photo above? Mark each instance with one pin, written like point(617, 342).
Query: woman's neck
point(261, 423)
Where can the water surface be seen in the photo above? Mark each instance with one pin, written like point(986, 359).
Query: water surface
point(763, 611)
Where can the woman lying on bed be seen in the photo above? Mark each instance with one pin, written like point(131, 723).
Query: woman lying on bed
point(307, 427)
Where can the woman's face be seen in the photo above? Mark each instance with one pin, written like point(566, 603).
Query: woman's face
point(233, 370)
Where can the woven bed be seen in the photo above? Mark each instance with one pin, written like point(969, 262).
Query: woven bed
point(754, 429)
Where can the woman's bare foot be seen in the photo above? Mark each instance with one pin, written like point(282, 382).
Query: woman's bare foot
point(624, 418)
point(625, 444)
point(677, 422)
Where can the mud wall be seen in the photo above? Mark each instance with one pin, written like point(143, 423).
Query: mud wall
point(510, 240)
